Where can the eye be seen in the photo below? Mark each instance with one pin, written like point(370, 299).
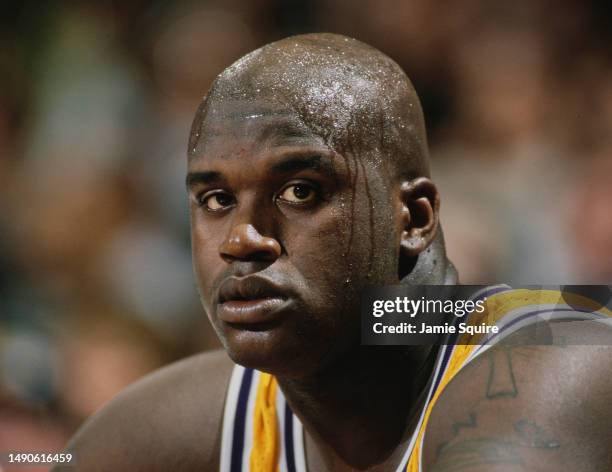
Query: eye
point(216, 201)
point(297, 193)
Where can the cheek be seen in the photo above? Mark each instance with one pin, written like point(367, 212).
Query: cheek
point(316, 250)
point(375, 245)
point(331, 253)
point(347, 245)
point(206, 260)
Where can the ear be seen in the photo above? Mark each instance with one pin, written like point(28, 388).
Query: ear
point(420, 205)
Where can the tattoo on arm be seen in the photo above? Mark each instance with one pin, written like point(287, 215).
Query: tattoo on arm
point(463, 454)
point(457, 427)
point(476, 452)
point(534, 435)
point(501, 382)
point(469, 423)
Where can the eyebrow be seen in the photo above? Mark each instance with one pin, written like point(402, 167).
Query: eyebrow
point(205, 177)
point(297, 163)
point(288, 165)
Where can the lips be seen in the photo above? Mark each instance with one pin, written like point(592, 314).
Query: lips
point(250, 301)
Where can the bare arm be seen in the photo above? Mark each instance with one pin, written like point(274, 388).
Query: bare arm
point(169, 420)
point(527, 408)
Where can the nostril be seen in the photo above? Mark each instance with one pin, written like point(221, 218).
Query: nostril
point(263, 256)
point(228, 258)
point(251, 256)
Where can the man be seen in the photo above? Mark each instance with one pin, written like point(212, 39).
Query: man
point(309, 181)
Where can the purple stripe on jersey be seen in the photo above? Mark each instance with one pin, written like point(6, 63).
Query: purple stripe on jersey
point(289, 452)
point(447, 355)
point(240, 421)
point(436, 382)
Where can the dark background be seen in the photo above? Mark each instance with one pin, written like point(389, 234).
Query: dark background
point(96, 100)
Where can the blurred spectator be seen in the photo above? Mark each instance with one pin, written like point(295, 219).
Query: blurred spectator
point(27, 429)
point(101, 355)
point(590, 222)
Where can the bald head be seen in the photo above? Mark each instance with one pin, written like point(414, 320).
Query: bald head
point(353, 96)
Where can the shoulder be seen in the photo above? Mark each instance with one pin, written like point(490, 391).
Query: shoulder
point(169, 420)
point(540, 407)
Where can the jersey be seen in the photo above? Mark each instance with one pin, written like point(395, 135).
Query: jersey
point(262, 434)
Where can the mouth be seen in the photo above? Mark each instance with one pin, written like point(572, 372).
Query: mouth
point(250, 302)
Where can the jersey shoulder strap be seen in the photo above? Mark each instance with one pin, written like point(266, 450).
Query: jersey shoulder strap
point(260, 432)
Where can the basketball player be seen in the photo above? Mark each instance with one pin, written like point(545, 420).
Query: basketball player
point(308, 180)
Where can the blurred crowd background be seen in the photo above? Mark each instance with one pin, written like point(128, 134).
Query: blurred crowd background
point(96, 101)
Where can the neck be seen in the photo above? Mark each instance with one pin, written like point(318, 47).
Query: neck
point(359, 411)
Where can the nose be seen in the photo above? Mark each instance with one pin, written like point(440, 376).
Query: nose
point(245, 243)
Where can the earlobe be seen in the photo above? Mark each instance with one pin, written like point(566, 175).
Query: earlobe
point(420, 202)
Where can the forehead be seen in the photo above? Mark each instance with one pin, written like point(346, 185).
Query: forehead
point(253, 123)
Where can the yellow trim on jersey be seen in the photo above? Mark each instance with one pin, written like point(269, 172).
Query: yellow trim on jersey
point(498, 305)
point(457, 360)
point(264, 454)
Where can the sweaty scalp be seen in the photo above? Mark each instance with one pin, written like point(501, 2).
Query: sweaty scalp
point(350, 94)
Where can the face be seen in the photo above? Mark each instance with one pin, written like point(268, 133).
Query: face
point(285, 234)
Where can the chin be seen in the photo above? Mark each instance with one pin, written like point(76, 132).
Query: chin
point(274, 351)
point(264, 350)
